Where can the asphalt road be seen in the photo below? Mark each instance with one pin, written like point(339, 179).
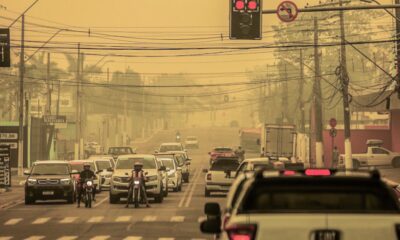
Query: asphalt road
point(176, 218)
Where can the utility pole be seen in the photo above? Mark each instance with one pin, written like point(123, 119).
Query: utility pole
point(77, 119)
point(318, 101)
point(82, 109)
point(398, 48)
point(49, 88)
point(301, 92)
point(344, 78)
point(285, 96)
point(21, 100)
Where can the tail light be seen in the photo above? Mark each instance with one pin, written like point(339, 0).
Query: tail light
point(289, 172)
point(209, 176)
point(318, 172)
point(242, 232)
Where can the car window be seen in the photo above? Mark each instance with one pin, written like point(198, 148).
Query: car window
point(223, 149)
point(148, 163)
point(50, 169)
point(379, 151)
point(102, 165)
point(224, 165)
point(168, 163)
point(120, 151)
point(170, 148)
point(257, 166)
point(180, 160)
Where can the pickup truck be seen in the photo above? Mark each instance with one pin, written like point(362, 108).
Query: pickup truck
point(375, 156)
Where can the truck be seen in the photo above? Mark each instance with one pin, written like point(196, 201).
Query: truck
point(278, 142)
point(248, 139)
point(375, 155)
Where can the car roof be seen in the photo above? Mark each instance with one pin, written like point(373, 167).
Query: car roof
point(80, 161)
point(224, 147)
point(171, 144)
point(50, 162)
point(174, 152)
point(249, 160)
point(136, 156)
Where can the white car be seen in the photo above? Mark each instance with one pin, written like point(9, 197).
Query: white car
point(251, 164)
point(191, 142)
point(170, 147)
point(123, 171)
point(174, 173)
point(108, 157)
point(220, 176)
point(104, 171)
point(316, 204)
point(77, 165)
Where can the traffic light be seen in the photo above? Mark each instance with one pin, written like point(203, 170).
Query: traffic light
point(245, 19)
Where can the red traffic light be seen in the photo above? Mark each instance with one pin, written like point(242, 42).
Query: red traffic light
point(252, 5)
point(239, 5)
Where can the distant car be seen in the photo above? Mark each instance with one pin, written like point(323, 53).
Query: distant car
point(311, 204)
point(168, 147)
point(104, 171)
point(50, 180)
point(220, 176)
point(221, 152)
point(191, 142)
point(108, 157)
point(122, 173)
point(117, 151)
point(252, 164)
point(174, 173)
point(77, 165)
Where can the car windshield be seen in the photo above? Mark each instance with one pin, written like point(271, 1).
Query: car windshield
point(191, 139)
point(224, 165)
point(299, 198)
point(50, 169)
point(168, 163)
point(120, 151)
point(170, 148)
point(148, 163)
point(223, 149)
point(103, 165)
point(79, 166)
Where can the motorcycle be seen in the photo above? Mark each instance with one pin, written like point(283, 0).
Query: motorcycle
point(88, 188)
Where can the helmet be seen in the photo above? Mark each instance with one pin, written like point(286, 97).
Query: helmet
point(138, 164)
point(86, 165)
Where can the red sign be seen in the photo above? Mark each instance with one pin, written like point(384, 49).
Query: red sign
point(333, 122)
point(287, 11)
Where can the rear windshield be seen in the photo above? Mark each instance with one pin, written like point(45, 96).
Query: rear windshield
point(170, 148)
point(224, 165)
point(223, 149)
point(168, 163)
point(298, 198)
point(120, 151)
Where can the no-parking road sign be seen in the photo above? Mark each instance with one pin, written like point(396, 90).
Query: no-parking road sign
point(287, 11)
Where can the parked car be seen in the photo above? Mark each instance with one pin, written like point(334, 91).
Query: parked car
point(310, 204)
point(220, 176)
point(78, 166)
point(168, 147)
point(191, 142)
point(174, 172)
point(123, 170)
point(221, 152)
point(49, 180)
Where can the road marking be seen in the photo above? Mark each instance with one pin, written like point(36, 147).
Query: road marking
point(34, 238)
point(149, 218)
point(10, 205)
point(41, 220)
point(133, 238)
point(6, 238)
point(98, 204)
point(101, 237)
point(95, 219)
point(68, 238)
point(123, 219)
point(13, 221)
point(177, 218)
point(189, 198)
point(68, 220)
point(187, 190)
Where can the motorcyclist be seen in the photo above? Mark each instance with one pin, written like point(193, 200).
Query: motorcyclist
point(85, 174)
point(137, 172)
point(240, 153)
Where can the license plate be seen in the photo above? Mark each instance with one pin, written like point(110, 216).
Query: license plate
point(48, 193)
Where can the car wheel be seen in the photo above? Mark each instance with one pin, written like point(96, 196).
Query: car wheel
point(187, 179)
point(113, 199)
point(356, 164)
point(207, 193)
point(396, 162)
point(159, 198)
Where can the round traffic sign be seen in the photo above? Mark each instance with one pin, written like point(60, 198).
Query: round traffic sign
point(333, 132)
point(287, 11)
point(333, 122)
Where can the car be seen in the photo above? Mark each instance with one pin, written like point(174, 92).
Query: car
point(251, 164)
point(191, 142)
point(174, 172)
point(104, 171)
point(310, 204)
point(122, 173)
point(183, 161)
point(165, 178)
point(78, 166)
point(117, 151)
point(108, 157)
point(49, 180)
point(168, 147)
point(220, 176)
point(221, 152)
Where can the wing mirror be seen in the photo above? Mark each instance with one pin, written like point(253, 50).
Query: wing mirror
point(27, 172)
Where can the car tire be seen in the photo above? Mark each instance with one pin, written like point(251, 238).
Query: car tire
point(207, 193)
point(29, 201)
point(159, 198)
point(356, 164)
point(187, 179)
point(396, 162)
point(113, 199)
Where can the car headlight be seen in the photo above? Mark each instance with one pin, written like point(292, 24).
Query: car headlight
point(117, 179)
point(65, 181)
point(31, 181)
point(152, 178)
point(172, 174)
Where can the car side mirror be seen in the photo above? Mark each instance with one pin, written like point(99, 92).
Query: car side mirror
point(212, 209)
point(211, 226)
point(163, 168)
point(27, 172)
point(74, 172)
point(205, 170)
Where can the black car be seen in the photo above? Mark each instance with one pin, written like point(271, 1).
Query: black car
point(49, 180)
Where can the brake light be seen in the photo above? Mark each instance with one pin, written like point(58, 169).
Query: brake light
point(318, 172)
point(289, 173)
point(242, 232)
point(209, 176)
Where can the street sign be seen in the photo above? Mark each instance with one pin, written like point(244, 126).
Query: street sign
point(5, 168)
point(333, 132)
point(5, 47)
point(287, 11)
point(54, 119)
point(333, 122)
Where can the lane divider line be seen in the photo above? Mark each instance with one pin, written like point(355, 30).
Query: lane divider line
point(103, 200)
point(187, 190)
point(189, 198)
